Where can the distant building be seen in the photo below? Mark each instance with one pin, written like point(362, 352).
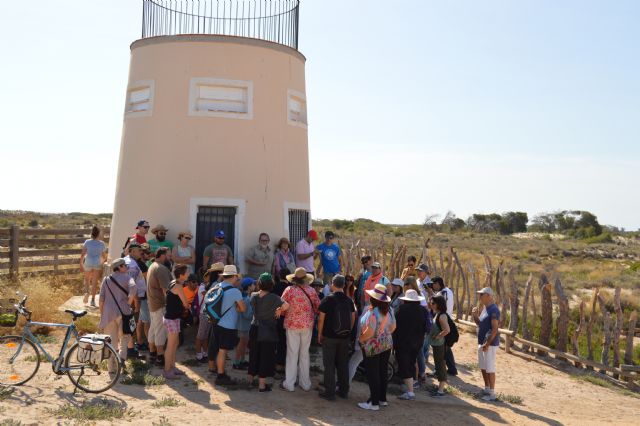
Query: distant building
point(215, 124)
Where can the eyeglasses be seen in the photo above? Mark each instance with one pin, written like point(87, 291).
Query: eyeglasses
point(264, 241)
point(162, 234)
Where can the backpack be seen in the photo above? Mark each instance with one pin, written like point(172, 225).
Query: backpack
point(213, 304)
point(341, 318)
point(453, 336)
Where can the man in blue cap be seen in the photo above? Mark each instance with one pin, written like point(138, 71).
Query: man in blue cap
point(217, 251)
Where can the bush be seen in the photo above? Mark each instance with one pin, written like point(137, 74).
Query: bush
point(603, 238)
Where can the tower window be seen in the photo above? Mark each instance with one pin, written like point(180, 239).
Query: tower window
point(221, 98)
point(297, 108)
point(140, 98)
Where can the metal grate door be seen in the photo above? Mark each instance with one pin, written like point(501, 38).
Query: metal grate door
point(210, 219)
point(298, 225)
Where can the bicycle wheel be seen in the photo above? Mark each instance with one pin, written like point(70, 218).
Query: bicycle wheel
point(19, 360)
point(91, 373)
point(391, 371)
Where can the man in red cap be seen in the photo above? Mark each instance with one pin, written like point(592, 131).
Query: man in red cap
point(305, 252)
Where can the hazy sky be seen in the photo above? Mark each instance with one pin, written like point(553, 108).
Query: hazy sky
point(414, 107)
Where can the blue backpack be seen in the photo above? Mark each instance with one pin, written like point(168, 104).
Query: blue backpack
point(213, 303)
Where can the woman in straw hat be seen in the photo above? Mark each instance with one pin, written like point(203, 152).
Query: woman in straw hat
point(184, 252)
point(408, 338)
point(377, 326)
point(298, 321)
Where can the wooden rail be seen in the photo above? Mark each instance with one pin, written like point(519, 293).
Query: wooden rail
point(27, 250)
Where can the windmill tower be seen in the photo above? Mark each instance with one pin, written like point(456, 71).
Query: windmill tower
point(215, 124)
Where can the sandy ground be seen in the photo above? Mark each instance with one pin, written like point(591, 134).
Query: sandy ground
point(556, 399)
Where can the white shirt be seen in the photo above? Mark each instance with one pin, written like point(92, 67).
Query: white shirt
point(423, 291)
point(447, 293)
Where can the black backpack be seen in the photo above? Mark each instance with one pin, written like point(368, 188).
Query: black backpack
point(453, 336)
point(341, 318)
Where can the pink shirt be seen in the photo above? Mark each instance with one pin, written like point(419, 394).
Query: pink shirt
point(301, 312)
point(303, 247)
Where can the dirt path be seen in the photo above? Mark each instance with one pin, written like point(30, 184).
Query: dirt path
point(549, 396)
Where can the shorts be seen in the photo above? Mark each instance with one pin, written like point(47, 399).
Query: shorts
point(144, 315)
point(204, 327)
point(172, 325)
point(157, 331)
point(224, 338)
point(89, 268)
point(487, 360)
point(406, 358)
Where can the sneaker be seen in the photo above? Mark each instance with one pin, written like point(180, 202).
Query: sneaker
point(132, 353)
point(384, 403)
point(437, 394)
point(489, 397)
point(238, 367)
point(224, 380)
point(152, 357)
point(203, 359)
point(85, 299)
point(178, 372)
point(283, 387)
point(169, 375)
point(416, 384)
point(326, 396)
point(486, 391)
point(452, 373)
point(368, 406)
point(407, 396)
point(142, 347)
point(160, 360)
point(93, 303)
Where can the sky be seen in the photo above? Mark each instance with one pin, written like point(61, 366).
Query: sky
point(414, 107)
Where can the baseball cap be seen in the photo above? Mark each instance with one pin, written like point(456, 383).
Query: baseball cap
point(265, 276)
point(329, 234)
point(246, 282)
point(423, 267)
point(376, 265)
point(141, 222)
point(486, 290)
point(398, 282)
point(219, 233)
point(117, 263)
point(313, 235)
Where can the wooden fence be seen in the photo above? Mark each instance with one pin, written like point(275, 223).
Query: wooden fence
point(33, 250)
point(521, 315)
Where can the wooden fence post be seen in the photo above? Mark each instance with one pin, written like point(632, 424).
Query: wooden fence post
point(526, 331)
point(14, 248)
point(562, 323)
point(546, 307)
point(628, 352)
point(513, 304)
point(617, 330)
point(592, 320)
point(606, 332)
point(576, 335)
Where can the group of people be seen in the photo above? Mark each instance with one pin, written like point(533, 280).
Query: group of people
point(279, 307)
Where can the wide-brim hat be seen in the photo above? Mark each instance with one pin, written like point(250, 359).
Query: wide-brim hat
point(216, 267)
point(411, 296)
point(301, 273)
point(397, 282)
point(229, 271)
point(117, 263)
point(185, 234)
point(379, 292)
point(158, 228)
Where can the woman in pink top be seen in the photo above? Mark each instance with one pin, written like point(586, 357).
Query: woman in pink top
point(298, 321)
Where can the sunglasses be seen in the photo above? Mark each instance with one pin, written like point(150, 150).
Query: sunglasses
point(146, 227)
point(187, 238)
point(162, 234)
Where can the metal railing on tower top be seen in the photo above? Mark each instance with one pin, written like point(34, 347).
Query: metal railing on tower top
point(270, 20)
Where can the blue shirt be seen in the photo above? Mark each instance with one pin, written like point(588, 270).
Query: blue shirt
point(329, 257)
point(230, 319)
point(94, 248)
point(244, 319)
point(491, 312)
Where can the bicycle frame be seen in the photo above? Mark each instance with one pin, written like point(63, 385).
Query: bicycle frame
point(27, 334)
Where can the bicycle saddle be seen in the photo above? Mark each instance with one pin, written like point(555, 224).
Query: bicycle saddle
point(76, 314)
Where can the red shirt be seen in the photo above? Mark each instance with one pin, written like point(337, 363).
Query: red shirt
point(140, 239)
